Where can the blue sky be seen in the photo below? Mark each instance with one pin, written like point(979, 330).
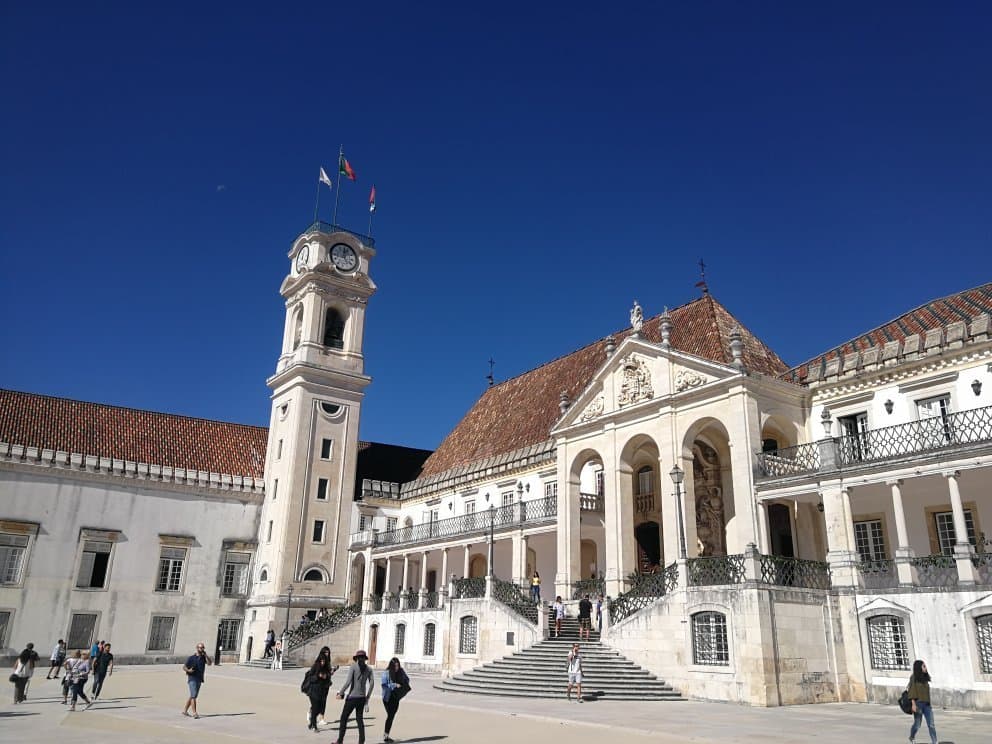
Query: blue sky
point(538, 167)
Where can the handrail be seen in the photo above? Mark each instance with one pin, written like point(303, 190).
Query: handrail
point(327, 227)
point(299, 636)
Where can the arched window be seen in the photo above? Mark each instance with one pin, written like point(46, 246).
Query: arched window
point(313, 574)
point(333, 329)
point(400, 641)
point(263, 575)
point(888, 645)
point(429, 633)
point(709, 639)
point(983, 627)
point(468, 634)
point(645, 481)
point(297, 327)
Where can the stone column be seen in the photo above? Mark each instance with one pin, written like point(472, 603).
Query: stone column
point(902, 554)
point(386, 594)
point(618, 507)
point(442, 585)
point(368, 588)
point(468, 555)
point(423, 580)
point(516, 570)
point(764, 542)
point(568, 533)
point(962, 547)
point(404, 585)
point(840, 553)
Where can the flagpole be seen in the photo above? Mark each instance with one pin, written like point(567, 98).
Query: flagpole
point(338, 192)
point(371, 212)
point(316, 206)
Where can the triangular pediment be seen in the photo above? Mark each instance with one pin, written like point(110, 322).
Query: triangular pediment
point(637, 372)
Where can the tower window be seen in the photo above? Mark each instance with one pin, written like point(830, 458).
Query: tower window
point(318, 530)
point(313, 574)
point(333, 329)
point(297, 328)
point(322, 489)
point(325, 449)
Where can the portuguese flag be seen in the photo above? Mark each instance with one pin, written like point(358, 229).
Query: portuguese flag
point(345, 169)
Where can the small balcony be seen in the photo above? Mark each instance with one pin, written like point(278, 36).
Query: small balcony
point(956, 431)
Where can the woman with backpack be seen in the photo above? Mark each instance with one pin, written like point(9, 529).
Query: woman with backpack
point(318, 685)
point(918, 692)
point(395, 686)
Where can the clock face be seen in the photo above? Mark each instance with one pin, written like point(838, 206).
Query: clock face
point(301, 258)
point(343, 256)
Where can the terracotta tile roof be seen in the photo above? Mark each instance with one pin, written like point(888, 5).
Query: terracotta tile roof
point(520, 412)
point(934, 314)
point(129, 434)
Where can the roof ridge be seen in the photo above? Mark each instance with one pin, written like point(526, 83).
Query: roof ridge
point(880, 326)
point(130, 408)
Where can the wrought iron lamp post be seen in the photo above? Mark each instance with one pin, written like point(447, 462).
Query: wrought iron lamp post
point(677, 477)
point(492, 515)
point(289, 603)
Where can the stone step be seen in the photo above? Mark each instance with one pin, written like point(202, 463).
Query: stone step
point(560, 677)
point(558, 691)
point(267, 663)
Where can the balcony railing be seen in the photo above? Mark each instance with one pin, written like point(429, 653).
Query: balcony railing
point(878, 574)
point(592, 587)
point(952, 431)
point(716, 570)
point(644, 503)
point(936, 571)
point(468, 588)
point(519, 513)
point(327, 227)
point(782, 571)
point(591, 502)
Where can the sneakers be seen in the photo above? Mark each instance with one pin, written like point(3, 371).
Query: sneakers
point(196, 715)
point(186, 713)
point(386, 739)
point(89, 705)
point(581, 700)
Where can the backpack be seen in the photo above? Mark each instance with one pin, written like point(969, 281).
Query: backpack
point(305, 686)
point(905, 703)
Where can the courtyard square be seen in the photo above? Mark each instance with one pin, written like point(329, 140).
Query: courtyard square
point(142, 704)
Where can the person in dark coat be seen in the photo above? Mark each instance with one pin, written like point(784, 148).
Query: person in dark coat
point(395, 686)
point(320, 685)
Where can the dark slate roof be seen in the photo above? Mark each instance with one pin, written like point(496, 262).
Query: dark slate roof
point(520, 412)
point(387, 462)
point(934, 314)
point(47, 422)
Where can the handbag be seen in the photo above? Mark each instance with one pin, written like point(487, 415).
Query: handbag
point(14, 678)
point(905, 703)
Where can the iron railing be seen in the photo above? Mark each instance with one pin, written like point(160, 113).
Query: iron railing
point(716, 570)
point(952, 430)
point(468, 588)
point(431, 601)
point(983, 567)
point(878, 574)
point(514, 598)
point(300, 635)
point(327, 227)
point(936, 571)
point(782, 571)
point(646, 589)
point(803, 458)
point(520, 512)
point(592, 587)
point(376, 603)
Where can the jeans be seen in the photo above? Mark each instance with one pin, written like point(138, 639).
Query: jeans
point(923, 710)
point(98, 678)
point(392, 705)
point(356, 704)
point(79, 691)
point(318, 704)
point(535, 594)
point(19, 689)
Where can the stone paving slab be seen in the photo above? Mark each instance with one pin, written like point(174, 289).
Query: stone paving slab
point(240, 705)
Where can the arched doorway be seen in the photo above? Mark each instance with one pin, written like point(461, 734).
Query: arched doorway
point(648, 538)
point(357, 593)
point(477, 567)
point(373, 642)
point(590, 562)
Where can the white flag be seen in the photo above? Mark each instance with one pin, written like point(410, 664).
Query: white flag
point(324, 178)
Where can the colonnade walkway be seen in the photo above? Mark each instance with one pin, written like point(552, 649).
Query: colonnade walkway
point(142, 704)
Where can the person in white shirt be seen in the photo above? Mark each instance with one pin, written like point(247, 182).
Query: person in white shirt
point(558, 613)
point(575, 673)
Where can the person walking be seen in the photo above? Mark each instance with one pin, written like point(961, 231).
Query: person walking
point(585, 616)
point(599, 613)
point(195, 668)
point(276, 664)
point(270, 641)
point(575, 673)
point(80, 674)
point(919, 693)
point(103, 666)
point(67, 677)
point(558, 613)
point(57, 658)
point(395, 686)
point(22, 673)
point(355, 692)
point(319, 686)
point(535, 587)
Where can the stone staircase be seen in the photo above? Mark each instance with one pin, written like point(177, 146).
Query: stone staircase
point(265, 663)
point(541, 671)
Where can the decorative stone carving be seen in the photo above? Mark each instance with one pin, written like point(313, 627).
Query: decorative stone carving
point(636, 317)
point(594, 409)
point(686, 379)
point(635, 384)
point(710, 532)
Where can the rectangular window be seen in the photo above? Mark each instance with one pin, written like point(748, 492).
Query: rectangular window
point(869, 540)
point(400, 641)
point(946, 536)
point(279, 450)
point(507, 498)
point(235, 574)
point(268, 532)
point(429, 633)
point(12, 551)
point(325, 448)
point(983, 628)
point(600, 487)
point(93, 564)
point(161, 633)
point(4, 627)
point(170, 570)
point(888, 646)
point(470, 507)
point(390, 524)
point(82, 627)
point(854, 429)
point(934, 420)
point(229, 634)
point(709, 639)
point(275, 488)
point(364, 522)
point(550, 489)
point(322, 489)
point(468, 633)
point(318, 530)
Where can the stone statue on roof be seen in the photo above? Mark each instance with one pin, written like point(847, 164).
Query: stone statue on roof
point(636, 317)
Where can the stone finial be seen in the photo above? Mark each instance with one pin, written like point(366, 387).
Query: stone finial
point(636, 318)
point(611, 345)
point(666, 329)
point(827, 421)
point(563, 402)
point(737, 347)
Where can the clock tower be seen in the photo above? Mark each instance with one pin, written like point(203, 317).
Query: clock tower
point(317, 393)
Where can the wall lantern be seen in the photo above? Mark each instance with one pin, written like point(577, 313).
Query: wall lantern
point(888, 405)
point(819, 507)
point(976, 386)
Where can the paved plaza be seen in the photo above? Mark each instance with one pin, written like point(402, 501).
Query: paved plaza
point(143, 703)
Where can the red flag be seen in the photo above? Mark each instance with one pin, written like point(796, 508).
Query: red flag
point(345, 169)
point(372, 199)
